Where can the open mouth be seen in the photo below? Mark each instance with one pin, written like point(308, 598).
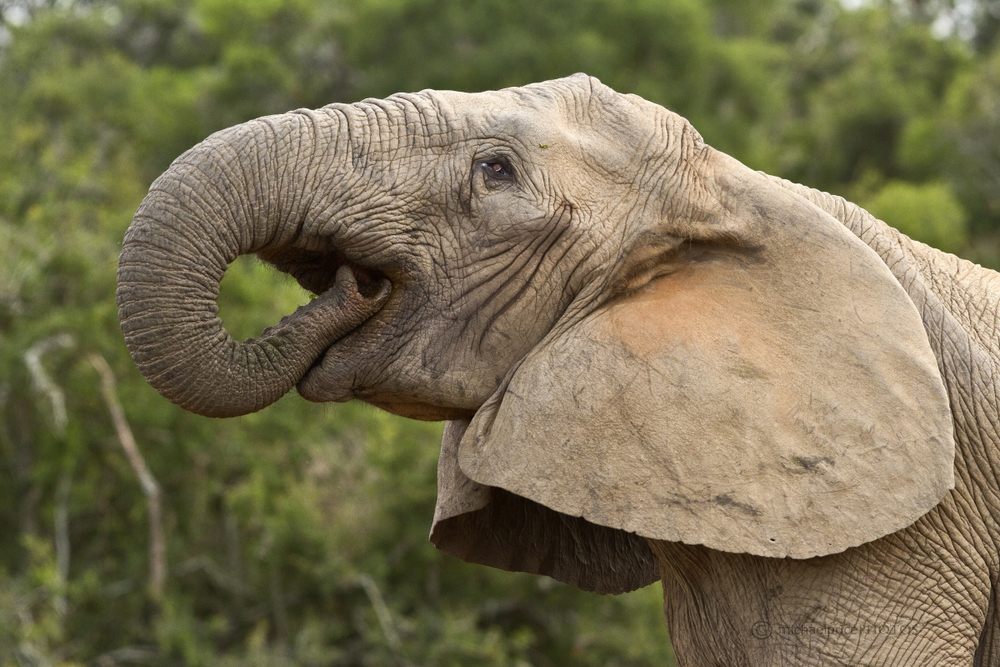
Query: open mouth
point(316, 270)
point(332, 375)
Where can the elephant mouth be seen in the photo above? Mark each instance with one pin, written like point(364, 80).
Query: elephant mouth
point(316, 270)
point(333, 374)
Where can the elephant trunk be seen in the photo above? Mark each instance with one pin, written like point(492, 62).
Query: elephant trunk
point(243, 190)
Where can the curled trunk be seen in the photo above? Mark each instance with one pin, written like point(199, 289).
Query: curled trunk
point(244, 190)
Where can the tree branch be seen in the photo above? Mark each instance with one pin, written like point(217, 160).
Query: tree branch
point(41, 380)
point(382, 612)
point(157, 558)
point(45, 385)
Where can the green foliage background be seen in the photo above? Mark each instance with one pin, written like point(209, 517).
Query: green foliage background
point(297, 536)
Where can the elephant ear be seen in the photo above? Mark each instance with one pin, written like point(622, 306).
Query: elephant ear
point(770, 392)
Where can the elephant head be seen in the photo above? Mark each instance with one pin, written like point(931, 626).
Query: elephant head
point(635, 336)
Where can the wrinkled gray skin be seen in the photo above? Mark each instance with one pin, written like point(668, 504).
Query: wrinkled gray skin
point(475, 225)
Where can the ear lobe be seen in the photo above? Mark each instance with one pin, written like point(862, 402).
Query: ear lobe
point(778, 399)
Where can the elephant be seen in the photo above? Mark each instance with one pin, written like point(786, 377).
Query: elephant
point(655, 363)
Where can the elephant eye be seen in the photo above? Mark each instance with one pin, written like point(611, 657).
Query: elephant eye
point(497, 169)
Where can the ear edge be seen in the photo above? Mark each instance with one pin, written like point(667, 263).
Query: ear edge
point(516, 534)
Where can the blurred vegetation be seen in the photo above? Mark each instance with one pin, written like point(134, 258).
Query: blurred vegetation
point(297, 536)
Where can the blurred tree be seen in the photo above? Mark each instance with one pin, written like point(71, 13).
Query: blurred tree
point(858, 79)
point(297, 535)
point(929, 212)
point(970, 119)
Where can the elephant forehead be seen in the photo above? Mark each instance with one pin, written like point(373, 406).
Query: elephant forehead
point(505, 114)
point(556, 95)
point(564, 105)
